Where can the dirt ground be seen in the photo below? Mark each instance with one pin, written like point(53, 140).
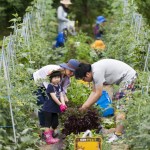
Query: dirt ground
point(119, 147)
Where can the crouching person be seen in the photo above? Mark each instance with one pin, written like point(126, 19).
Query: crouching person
point(53, 105)
point(107, 72)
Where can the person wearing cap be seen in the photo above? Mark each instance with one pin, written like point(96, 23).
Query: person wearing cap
point(40, 76)
point(99, 27)
point(108, 72)
point(62, 13)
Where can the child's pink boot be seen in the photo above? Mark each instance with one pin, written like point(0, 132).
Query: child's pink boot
point(49, 138)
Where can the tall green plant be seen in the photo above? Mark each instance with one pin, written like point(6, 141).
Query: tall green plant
point(28, 56)
point(137, 124)
point(7, 8)
point(143, 8)
point(78, 47)
point(123, 40)
point(78, 92)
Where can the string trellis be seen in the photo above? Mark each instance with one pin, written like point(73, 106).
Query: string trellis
point(31, 22)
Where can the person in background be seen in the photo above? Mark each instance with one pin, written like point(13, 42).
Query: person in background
point(40, 77)
point(99, 27)
point(62, 13)
point(108, 72)
point(53, 105)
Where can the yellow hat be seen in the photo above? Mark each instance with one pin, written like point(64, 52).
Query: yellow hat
point(98, 44)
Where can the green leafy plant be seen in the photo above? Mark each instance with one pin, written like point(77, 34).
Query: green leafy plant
point(78, 47)
point(137, 127)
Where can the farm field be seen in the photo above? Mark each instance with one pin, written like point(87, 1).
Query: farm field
point(30, 46)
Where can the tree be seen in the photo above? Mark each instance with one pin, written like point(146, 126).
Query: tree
point(143, 8)
point(9, 7)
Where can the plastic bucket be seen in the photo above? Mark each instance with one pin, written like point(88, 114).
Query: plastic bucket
point(105, 103)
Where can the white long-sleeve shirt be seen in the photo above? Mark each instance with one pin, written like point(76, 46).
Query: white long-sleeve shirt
point(41, 75)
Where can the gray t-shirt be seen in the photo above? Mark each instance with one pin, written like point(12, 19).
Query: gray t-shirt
point(111, 71)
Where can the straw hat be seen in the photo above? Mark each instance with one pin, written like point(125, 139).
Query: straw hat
point(65, 2)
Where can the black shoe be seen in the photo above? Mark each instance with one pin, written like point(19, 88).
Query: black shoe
point(42, 136)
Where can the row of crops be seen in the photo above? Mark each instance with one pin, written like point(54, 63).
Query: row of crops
point(29, 47)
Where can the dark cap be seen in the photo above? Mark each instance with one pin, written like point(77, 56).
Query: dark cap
point(55, 74)
point(71, 65)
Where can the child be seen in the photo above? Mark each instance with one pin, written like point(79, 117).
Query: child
point(98, 28)
point(40, 77)
point(53, 105)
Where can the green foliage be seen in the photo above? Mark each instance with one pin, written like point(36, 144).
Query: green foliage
point(90, 10)
point(38, 52)
point(123, 42)
point(29, 55)
point(69, 142)
point(23, 104)
point(137, 124)
point(7, 8)
point(143, 8)
point(78, 91)
point(78, 47)
point(138, 121)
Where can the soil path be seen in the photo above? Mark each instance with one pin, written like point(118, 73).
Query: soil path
point(119, 147)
